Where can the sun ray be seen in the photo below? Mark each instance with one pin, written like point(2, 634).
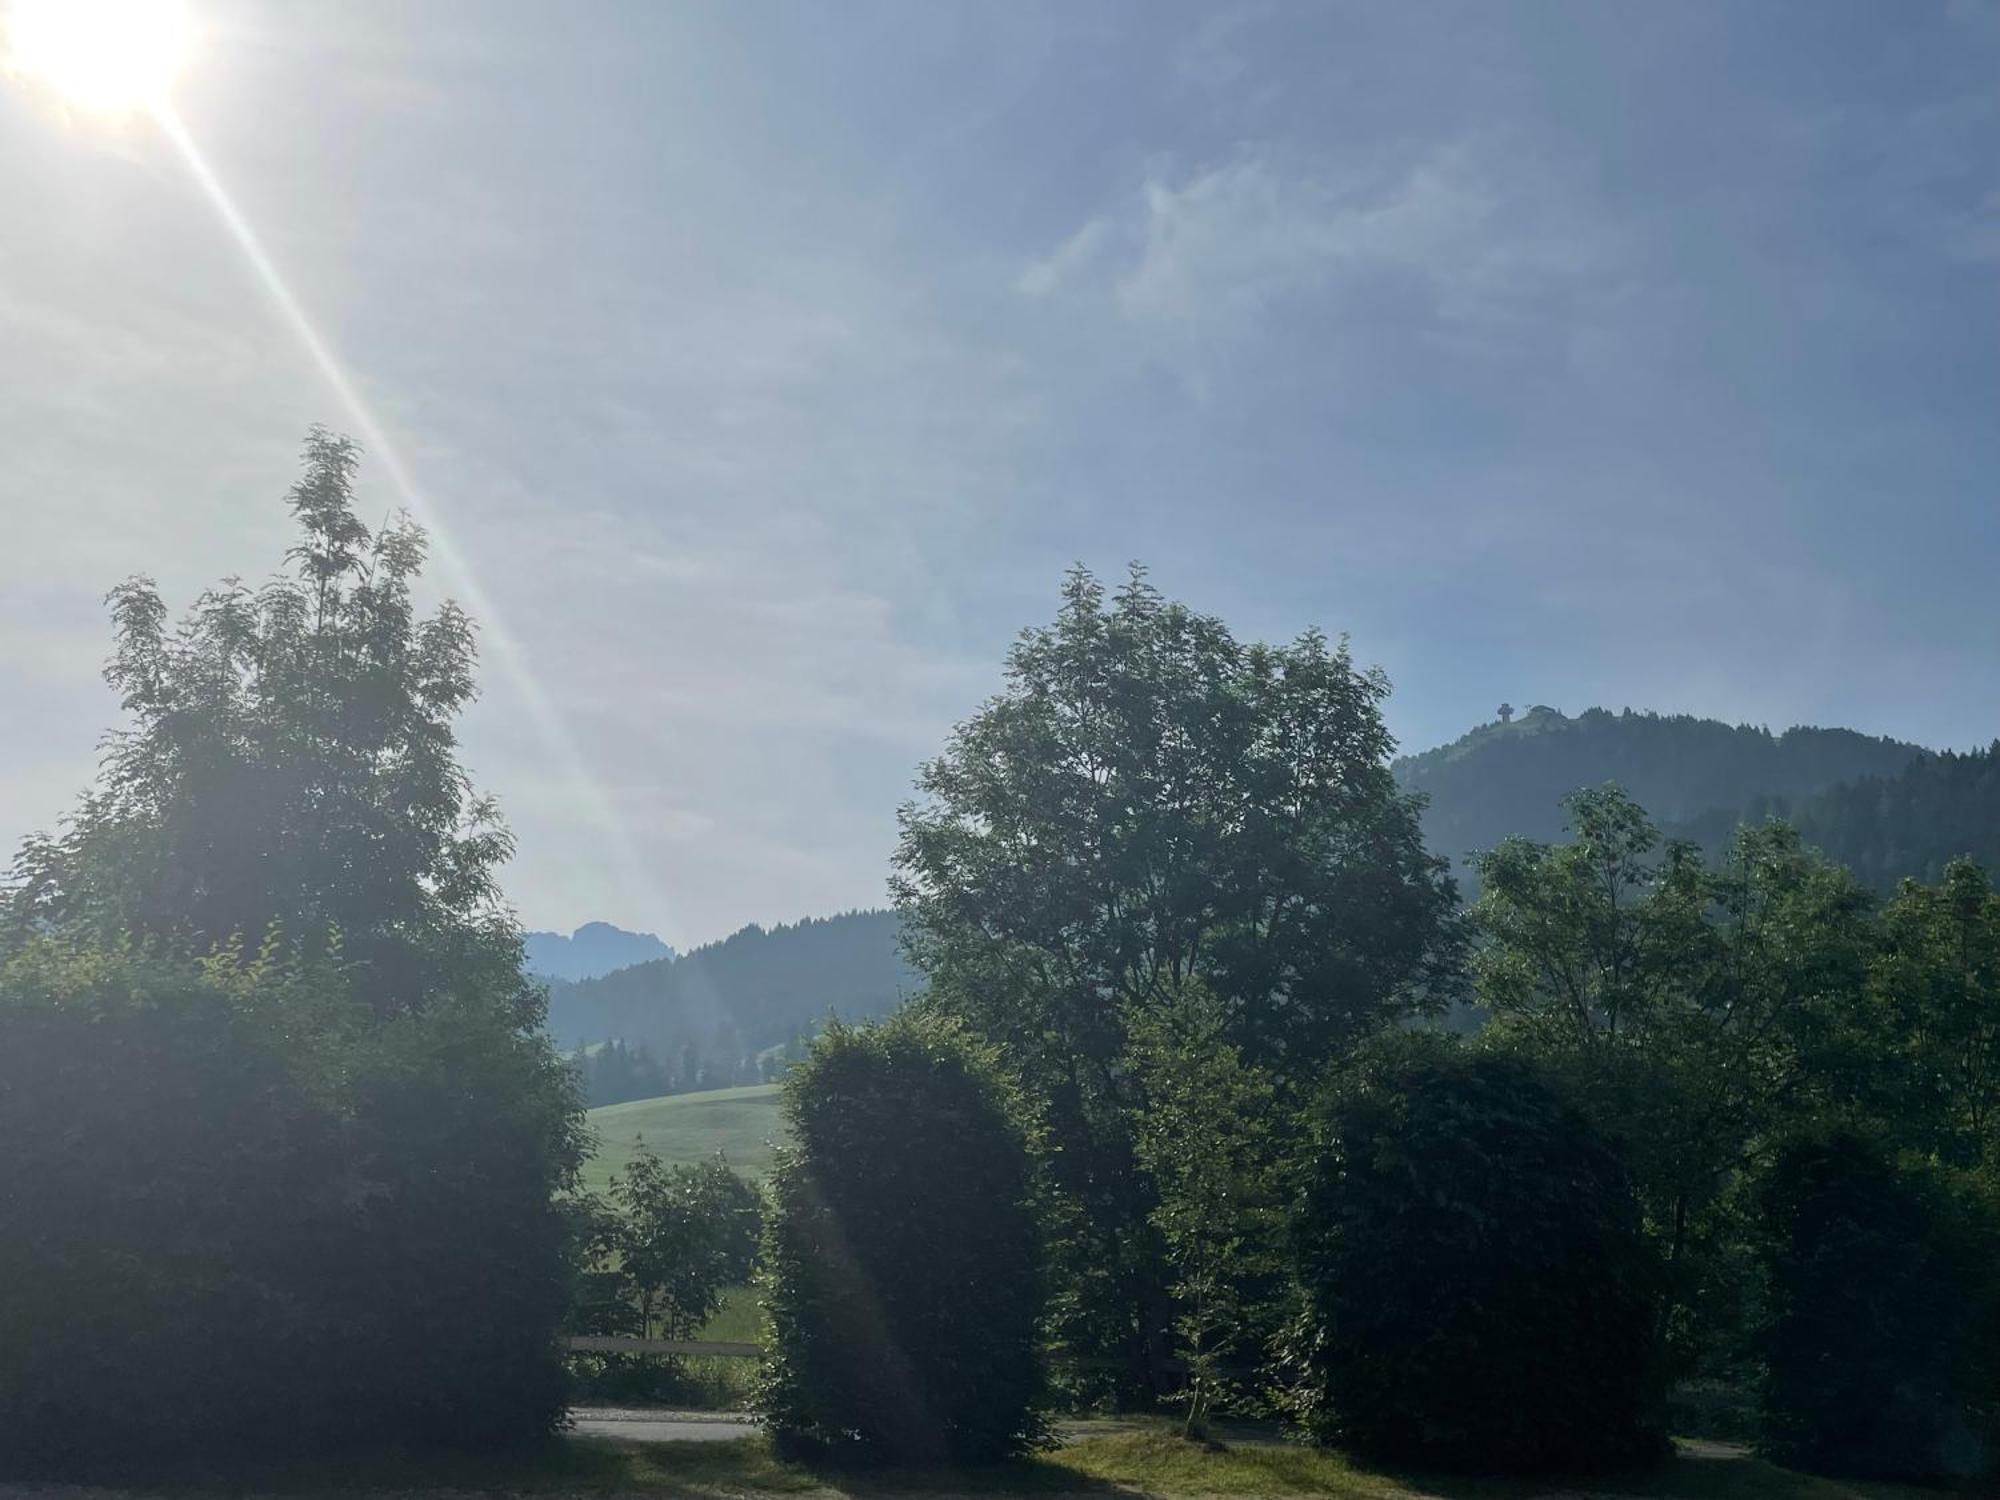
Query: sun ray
point(459, 579)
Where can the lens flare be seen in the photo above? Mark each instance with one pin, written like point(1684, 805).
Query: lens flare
point(121, 56)
point(108, 55)
point(616, 843)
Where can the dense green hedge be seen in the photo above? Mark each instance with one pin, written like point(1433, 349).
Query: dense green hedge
point(1479, 1291)
point(235, 1227)
point(902, 1263)
point(1882, 1347)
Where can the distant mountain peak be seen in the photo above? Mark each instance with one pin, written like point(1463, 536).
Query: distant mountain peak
point(594, 949)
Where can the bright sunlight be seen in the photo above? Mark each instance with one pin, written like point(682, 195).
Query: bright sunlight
point(110, 55)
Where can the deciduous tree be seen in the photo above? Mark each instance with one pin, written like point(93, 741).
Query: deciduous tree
point(1148, 802)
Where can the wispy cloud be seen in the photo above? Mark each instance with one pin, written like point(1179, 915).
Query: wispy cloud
point(1214, 256)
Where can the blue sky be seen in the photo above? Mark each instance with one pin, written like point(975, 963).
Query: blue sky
point(764, 365)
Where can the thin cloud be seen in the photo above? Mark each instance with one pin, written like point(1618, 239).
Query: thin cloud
point(1214, 257)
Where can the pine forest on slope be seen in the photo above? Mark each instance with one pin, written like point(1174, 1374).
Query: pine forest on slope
point(1509, 778)
point(726, 1013)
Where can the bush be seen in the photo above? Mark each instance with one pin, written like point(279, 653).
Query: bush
point(237, 1227)
point(1479, 1293)
point(902, 1262)
point(1880, 1349)
point(667, 1245)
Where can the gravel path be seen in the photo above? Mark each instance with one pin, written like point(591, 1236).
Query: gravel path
point(648, 1425)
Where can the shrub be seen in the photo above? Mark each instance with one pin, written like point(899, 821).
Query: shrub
point(902, 1261)
point(676, 1238)
point(1879, 1346)
point(153, 1236)
point(1478, 1289)
point(236, 1227)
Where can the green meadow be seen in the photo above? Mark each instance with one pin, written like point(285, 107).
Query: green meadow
point(742, 1123)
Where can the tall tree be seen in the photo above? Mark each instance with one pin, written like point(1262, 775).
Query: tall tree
point(1204, 1138)
point(1937, 988)
point(290, 761)
point(1688, 1007)
point(285, 815)
point(1147, 802)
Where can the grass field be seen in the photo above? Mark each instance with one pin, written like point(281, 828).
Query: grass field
point(726, 1383)
point(1127, 1459)
point(741, 1123)
point(741, 1319)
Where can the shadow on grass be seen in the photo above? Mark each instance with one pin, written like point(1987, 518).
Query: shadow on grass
point(1145, 1459)
point(1154, 1460)
point(555, 1465)
point(1704, 1471)
point(1123, 1459)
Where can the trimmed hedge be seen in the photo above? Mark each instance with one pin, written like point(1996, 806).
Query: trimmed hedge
point(1479, 1291)
point(903, 1268)
point(235, 1229)
point(1882, 1348)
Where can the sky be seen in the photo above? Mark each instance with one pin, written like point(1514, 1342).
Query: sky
point(761, 367)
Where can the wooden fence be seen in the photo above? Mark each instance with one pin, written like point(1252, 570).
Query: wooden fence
point(591, 1343)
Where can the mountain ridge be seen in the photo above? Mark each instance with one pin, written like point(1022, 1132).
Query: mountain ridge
point(1509, 778)
point(594, 949)
point(728, 1012)
point(711, 1017)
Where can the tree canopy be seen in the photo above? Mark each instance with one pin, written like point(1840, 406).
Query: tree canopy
point(1146, 804)
point(1148, 801)
point(289, 762)
point(1689, 1007)
point(261, 1001)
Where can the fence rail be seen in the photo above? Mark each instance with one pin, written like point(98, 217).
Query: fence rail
point(595, 1343)
point(591, 1343)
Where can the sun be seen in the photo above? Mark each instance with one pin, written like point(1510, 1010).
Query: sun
point(109, 55)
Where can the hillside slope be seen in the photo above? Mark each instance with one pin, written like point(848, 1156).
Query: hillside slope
point(710, 1014)
point(1510, 778)
point(1886, 828)
point(742, 1123)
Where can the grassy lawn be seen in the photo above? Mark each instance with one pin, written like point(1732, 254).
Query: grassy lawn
point(1123, 1458)
point(1149, 1459)
point(740, 1122)
point(740, 1319)
point(1156, 1461)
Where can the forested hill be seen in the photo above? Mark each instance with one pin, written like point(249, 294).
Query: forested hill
point(718, 1014)
point(1889, 827)
point(1510, 778)
point(727, 1013)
